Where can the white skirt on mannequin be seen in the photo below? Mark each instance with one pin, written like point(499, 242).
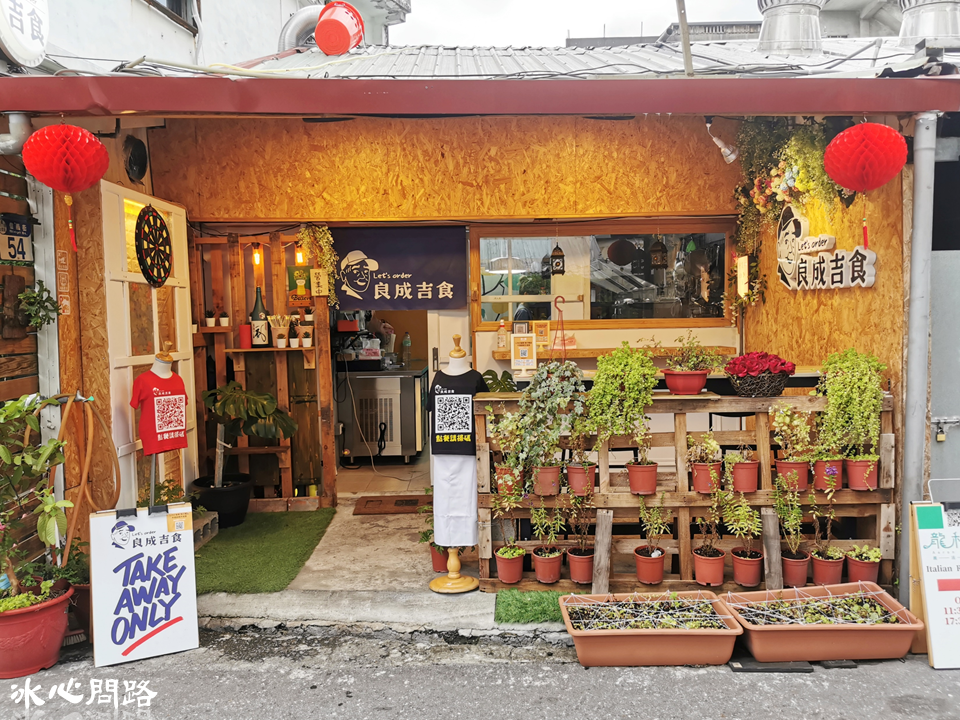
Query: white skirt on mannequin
point(454, 500)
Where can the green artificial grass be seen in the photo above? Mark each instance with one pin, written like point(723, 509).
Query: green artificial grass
point(262, 555)
point(514, 606)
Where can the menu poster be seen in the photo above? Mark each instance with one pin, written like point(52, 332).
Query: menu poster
point(523, 352)
point(938, 545)
point(541, 328)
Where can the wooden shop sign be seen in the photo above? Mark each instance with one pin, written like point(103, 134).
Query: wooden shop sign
point(806, 262)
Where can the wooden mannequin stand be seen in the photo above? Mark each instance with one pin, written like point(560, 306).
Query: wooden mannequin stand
point(454, 582)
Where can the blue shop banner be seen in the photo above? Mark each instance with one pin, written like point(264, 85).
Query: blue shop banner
point(418, 268)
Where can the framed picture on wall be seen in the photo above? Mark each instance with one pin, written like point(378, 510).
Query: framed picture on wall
point(521, 328)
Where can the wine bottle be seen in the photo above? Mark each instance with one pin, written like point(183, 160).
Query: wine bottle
point(258, 320)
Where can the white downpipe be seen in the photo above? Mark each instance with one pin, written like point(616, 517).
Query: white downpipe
point(915, 409)
point(11, 143)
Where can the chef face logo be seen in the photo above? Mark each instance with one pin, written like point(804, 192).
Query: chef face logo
point(120, 534)
point(793, 228)
point(355, 271)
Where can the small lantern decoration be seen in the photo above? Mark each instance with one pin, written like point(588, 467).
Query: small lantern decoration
point(557, 261)
point(658, 255)
point(68, 159)
point(865, 157)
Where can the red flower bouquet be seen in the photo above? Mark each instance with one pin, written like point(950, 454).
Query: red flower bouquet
point(759, 374)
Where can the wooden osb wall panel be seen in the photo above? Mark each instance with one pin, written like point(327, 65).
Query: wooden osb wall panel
point(390, 169)
point(117, 173)
point(806, 326)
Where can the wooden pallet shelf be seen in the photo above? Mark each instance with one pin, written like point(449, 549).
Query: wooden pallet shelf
point(585, 353)
point(870, 516)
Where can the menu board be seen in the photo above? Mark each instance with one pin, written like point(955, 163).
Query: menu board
point(523, 352)
point(938, 547)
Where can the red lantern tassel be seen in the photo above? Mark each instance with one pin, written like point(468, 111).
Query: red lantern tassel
point(68, 199)
point(866, 236)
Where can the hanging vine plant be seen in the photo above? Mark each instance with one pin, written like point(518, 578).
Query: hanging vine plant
point(318, 242)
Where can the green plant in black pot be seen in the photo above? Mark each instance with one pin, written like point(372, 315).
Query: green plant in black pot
point(238, 412)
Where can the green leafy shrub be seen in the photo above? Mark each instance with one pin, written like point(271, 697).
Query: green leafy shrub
point(853, 385)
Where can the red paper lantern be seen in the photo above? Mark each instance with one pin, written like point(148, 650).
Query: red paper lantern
point(865, 157)
point(66, 158)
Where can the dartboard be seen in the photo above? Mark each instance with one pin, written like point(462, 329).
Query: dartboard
point(154, 251)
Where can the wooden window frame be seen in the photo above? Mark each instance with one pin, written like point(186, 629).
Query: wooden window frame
point(725, 224)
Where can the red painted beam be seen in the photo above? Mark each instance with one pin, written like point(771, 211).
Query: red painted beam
point(301, 96)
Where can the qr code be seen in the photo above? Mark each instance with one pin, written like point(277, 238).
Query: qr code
point(171, 413)
point(453, 414)
point(179, 525)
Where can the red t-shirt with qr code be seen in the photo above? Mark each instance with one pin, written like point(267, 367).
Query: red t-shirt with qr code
point(163, 412)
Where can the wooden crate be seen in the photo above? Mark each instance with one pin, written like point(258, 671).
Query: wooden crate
point(874, 512)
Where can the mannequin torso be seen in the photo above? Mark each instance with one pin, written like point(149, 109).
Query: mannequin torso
point(457, 366)
point(161, 368)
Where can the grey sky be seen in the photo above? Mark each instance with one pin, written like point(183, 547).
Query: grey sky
point(547, 22)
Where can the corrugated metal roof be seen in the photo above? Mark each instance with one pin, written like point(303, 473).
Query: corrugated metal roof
point(852, 57)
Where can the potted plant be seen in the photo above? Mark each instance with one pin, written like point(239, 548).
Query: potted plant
point(827, 465)
point(548, 408)
point(238, 411)
point(685, 628)
point(510, 555)
point(853, 385)
point(650, 558)
point(308, 315)
point(853, 621)
point(195, 328)
point(508, 432)
point(294, 333)
point(40, 306)
point(744, 522)
point(281, 339)
point(210, 318)
point(827, 559)
point(547, 557)
point(704, 458)
point(617, 405)
point(438, 553)
point(224, 319)
point(580, 558)
point(708, 559)
point(796, 563)
point(791, 428)
point(741, 475)
point(33, 616)
point(759, 374)
point(688, 366)
point(306, 336)
point(581, 472)
point(863, 564)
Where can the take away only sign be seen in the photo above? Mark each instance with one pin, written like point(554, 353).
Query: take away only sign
point(144, 586)
point(938, 545)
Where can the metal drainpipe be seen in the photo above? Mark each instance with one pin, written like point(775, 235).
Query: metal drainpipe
point(685, 38)
point(918, 334)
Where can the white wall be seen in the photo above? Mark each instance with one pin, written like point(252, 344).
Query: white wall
point(233, 31)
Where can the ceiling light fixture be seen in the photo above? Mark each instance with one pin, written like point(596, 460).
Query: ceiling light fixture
point(729, 152)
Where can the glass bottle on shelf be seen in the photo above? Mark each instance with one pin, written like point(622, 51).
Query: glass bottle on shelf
point(502, 336)
point(259, 329)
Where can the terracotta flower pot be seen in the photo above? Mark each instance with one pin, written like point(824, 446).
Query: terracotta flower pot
point(581, 566)
point(547, 480)
point(439, 560)
point(820, 474)
point(861, 474)
point(649, 569)
point(746, 570)
point(685, 383)
point(510, 570)
point(31, 637)
point(708, 570)
point(581, 478)
point(508, 480)
point(862, 570)
point(745, 476)
point(795, 571)
point(813, 643)
point(644, 647)
point(703, 479)
point(547, 569)
point(82, 609)
point(643, 478)
point(786, 469)
point(827, 572)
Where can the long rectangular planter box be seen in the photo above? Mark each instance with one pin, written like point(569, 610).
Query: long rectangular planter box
point(633, 648)
point(785, 643)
